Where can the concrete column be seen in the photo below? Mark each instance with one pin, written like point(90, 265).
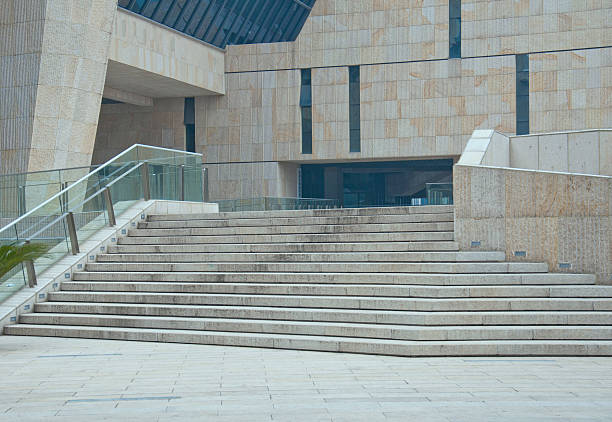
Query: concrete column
point(53, 58)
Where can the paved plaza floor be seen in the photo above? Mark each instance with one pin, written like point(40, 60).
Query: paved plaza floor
point(54, 379)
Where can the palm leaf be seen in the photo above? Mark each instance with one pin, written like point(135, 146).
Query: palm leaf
point(16, 253)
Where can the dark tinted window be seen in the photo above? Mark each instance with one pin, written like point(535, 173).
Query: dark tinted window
point(223, 22)
point(522, 94)
point(454, 26)
point(354, 110)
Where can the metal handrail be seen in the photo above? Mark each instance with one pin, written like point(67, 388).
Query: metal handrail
point(94, 166)
point(69, 218)
point(108, 163)
point(104, 191)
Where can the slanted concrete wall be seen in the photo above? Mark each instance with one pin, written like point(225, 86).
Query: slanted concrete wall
point(53, 57)
point(559, 218)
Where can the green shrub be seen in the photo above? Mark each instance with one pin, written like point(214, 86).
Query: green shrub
point(16, 253)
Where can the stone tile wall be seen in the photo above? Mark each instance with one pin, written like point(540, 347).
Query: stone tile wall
point(552, 217)
point(19, 70)
point(491, 27)
point(257, 120)
point(347, 32)
point(123, 125)
point(330, 114)
point(145, 45)
point(53, 72)
point(430, 108)
point(570, 90)
point(252, 180)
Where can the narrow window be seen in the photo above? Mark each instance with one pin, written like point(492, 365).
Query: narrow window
point(306, 107)
point(522, 94)
point(189, 121)
point(354, 112)
point(454, 26)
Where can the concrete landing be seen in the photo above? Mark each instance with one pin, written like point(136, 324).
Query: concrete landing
point(134, 381)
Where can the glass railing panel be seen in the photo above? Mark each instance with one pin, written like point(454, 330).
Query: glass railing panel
point(15, 279)
point(157, 155)
point(43, 225)
point(193, 183)
point(439, 193)
point(127, 190)
point(20, 193)
point(55, 237)
point(273, 203)
point(12, 282)
point(170, 172)
point(89, 217)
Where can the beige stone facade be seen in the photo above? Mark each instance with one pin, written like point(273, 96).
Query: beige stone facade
point(571, 90)
point(492, 27)
point(415, 102)
point(54, 57)
point(123, 125)
point(345, 32)
point(153, 60)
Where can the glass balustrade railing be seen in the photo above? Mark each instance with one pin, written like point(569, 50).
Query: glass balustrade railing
point(68, 218)
point(19, 193)
point(273, 203)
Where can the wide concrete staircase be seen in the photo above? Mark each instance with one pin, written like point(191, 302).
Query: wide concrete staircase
point(375, 280)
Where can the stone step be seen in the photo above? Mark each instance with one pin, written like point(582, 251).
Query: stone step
point(343, 278)
point(342, 302)
point(307, 257)
point(369, 267)
point(287, 238)
point(375, 211)
point(380, 331)
point(299, 220)
point(289, 247)
point(424, 318)
point(329, 343)
point(296, 229)
point(342, 289)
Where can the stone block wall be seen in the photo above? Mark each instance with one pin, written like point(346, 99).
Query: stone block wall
point(330, 114)
point(56, 63)
point(562, 219)
point(570, 90)
point(252, 180)
point(492, 27)
point(428, 109)
point(257, 120)
point(345, 32)
point(123, 125)
point(154, 48)
point(421, 109)
point(21, 32)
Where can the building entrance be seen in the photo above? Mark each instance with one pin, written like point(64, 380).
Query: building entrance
point(380, 184)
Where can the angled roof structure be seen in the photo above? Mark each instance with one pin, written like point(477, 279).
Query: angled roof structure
point(225, 22)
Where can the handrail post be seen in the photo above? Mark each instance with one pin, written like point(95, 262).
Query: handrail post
point(205, 195)
point(146, 191)
point(63, 199)
point(72, 233)
point(181, 177)
point(30, 271)
point(21, 201)
point(109, 206)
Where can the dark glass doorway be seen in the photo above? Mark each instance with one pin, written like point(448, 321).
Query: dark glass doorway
point(379, 184)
